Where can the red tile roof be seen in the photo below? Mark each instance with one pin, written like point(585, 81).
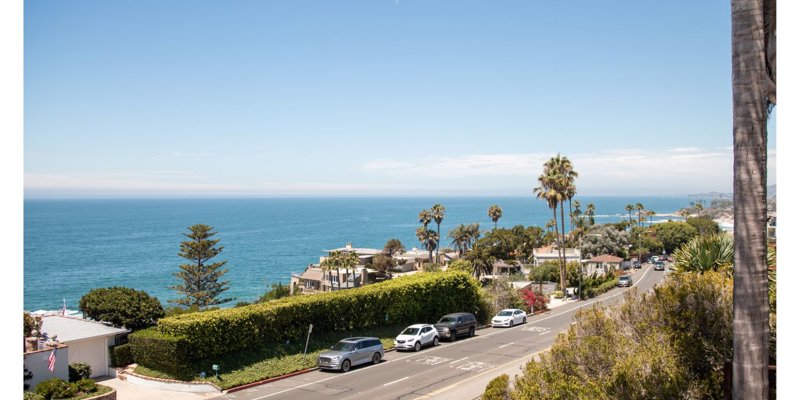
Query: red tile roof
point(606, 258)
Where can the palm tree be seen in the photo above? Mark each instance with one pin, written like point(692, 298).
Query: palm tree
point(495, 212)
point(437, 212)
point(428, 238)
point(650, 213)
point(629, 208)
point(753, 82)
point(639, 209)
point(425, 218)
point(685, 214)
point(549, 225)
point(337, 260)
point(698, 206)
point(590, 213)
point(546, 191)
point(473, 233)
point(460, 238)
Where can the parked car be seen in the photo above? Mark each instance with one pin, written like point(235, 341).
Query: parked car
point(351, 351)
point(625, 281)
point(416, 336)
point(637, 264)
point(510, 317)
point(659, 266)
point(452, 325)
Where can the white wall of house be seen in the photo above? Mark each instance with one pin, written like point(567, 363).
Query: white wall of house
point(93, 351)
point(37, 361)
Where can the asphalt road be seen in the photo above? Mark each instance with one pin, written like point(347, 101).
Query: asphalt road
point(457, 370)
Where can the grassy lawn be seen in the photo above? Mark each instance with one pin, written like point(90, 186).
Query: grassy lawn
point(100, 390)
point(274, 359)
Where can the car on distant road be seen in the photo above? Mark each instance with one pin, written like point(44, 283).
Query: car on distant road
point(625, 281)
point(659, 266)
point(637, 264)
point(416, 336)
point(350, 352)
point(510, 317)
point(451, 326)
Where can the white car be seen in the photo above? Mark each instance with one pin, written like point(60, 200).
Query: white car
point(510, 317)
point(416, 336)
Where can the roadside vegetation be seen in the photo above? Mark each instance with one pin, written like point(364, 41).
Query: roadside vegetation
point(272, 359)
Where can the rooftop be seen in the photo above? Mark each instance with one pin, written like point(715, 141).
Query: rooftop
point(606, 258)
point(70, 328)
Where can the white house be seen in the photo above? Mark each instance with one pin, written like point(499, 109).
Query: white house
point(550, 253)
point(602, 264)
point(88, 340)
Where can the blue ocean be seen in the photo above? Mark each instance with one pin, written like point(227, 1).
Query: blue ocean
point(73, 246)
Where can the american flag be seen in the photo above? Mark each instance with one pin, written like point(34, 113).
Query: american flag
point(51, 361)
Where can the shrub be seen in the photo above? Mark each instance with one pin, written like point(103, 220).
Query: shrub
point(55, 388)
point(32, 396)
point(668, 344)
point(534, 301)
point(122, 306)
point(86, 385)
point(162, 352)
point(408, 299)
point(78, 371)
point(497, 389)
point(30, 323)
point(121, 355)
point(558, 294)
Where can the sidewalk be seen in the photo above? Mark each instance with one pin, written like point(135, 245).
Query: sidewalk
point(129, 391)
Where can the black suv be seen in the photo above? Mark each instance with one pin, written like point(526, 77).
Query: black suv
point(452, 325)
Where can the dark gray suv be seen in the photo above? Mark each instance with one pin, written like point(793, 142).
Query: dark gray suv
point(452, 325)
point(351, 351)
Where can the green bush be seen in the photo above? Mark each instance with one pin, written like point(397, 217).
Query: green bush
point(86, 385)
point(122, 306)
point(162, 352)
point(408, 299)
point(121, 355)
point(55, 388)
point(497, 389)
point(558, 294)
point(667, 344)
point(78, 371)
point(32, 396)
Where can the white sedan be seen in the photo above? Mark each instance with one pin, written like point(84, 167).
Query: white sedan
point(416, 336)
point(510, 317)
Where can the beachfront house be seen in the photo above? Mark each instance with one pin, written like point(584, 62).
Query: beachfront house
point(88, 341)
point(314, 279)
point(550, 253)
point(602, 264)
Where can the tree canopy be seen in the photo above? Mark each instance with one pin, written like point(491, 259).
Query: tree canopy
point(674, 234)
point(199, 280)
point(122, 306)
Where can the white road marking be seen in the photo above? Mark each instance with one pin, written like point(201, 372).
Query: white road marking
point(476, 366)
point(460, 359)
point(507, 344)
point(389, 383)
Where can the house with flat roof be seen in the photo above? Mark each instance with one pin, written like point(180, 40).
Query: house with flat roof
point(364, 254)
point(314, 279)
point(550, 253)
point(88, 340)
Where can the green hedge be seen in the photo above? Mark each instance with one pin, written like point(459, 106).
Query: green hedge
point(410, 299)
point(167, 353)
point(121, 355)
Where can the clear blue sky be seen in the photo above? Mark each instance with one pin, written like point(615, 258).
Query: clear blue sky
point(322, 98)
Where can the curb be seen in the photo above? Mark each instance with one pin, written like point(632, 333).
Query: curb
point(277, 378)
point(268, 380)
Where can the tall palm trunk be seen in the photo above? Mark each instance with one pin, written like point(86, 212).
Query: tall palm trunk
point(571, 222)
point(564, 245)
point(562, 271)
point(750, 301)
point(438, 236)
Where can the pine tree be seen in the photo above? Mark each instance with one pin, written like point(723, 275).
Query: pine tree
point(200, 281)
